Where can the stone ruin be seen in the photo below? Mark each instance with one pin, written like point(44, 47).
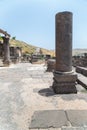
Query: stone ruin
point(64, 77)
point(15, 54)
point(26, 58)
point(80, 60)
point(51, 65)
point(37, 57)
point(5, 48)
point(9, 53)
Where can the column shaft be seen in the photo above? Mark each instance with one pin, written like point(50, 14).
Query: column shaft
point(6, 59)
point(64, 41)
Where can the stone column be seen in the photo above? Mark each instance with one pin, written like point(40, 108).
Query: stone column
point(64, 77)
point(6, 59)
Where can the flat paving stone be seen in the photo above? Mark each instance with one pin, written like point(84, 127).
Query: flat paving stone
point(73, 128)
point(48, 118)
point(85, 128)
point(77, 117)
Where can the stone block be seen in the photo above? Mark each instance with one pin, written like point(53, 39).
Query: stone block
point(48, 119)
point(73, 128)
point(64, 84)
point(65, 78)
point(51, 65)
point(77, 117)
point(81, 70)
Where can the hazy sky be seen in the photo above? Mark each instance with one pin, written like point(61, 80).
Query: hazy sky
point(33, 21)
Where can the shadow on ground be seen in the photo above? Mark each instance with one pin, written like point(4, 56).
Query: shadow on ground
point(46, 92)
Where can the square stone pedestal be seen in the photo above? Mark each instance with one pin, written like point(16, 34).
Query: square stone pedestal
point(64, 83)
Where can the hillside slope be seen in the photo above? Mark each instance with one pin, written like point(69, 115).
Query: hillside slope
point(29, 49)
point(25, 47)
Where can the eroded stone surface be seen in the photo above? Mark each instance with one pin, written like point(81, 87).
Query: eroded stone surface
point(22, 93)
point(64, 79)
point(49, 118)
point(77, 118)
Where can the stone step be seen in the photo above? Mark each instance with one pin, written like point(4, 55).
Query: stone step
point(82, 80)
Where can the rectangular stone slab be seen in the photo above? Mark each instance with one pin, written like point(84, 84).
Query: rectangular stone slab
point(77, 117)
point(73, 128)
point(48, 118)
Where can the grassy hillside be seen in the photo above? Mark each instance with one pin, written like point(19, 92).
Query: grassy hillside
point(29, 49)
point(25, 47)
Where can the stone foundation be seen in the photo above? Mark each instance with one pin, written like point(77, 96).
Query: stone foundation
point(64, 83)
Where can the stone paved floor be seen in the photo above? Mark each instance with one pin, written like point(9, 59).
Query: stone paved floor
point(24, 89)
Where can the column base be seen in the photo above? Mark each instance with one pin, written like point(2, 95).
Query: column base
point(6, 63)
point(64, 83)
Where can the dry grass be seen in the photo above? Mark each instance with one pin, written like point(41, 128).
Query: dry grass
point(29, 49)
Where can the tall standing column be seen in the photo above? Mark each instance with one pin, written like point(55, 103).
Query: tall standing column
point(6, 59)
point(64, 77)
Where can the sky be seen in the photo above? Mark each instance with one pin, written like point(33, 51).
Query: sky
point(33, 21)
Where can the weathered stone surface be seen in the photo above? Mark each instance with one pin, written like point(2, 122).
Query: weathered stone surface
point(77, 117)
point(48, 118)
point(82, 80)
point(6, 59)
point(73, 128)
point(80, 60)
point(15, 54)
point(64, 83)
point(64, 79)
point(18, 101)
point(85, 128)
point(51, 65)
point(53, 129)
point(70, 78)
point(64, 88)
point(64, 41)
point(81, 70)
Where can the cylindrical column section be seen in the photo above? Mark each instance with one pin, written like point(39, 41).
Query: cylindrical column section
point(64, 42)
point(6, 59)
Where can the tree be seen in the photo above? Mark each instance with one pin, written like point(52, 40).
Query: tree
point(14, 38)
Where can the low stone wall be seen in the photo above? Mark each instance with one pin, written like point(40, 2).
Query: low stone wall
point(81, 70)
point(79, 61)
point(39, 62)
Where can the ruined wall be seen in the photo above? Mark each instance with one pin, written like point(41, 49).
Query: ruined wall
point(79, 61)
